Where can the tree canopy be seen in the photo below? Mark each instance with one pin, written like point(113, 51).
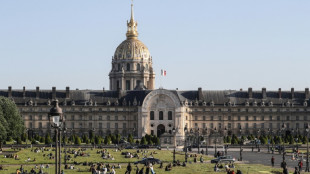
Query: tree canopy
point(11, 122)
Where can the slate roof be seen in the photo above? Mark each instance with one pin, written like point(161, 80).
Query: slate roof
point(136, 97)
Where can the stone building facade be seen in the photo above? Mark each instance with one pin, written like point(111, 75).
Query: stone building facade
point(132, 105)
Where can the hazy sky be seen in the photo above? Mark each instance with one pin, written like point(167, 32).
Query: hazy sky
point(218, 44)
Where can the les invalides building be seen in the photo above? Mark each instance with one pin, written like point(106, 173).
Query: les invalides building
point(132, 105)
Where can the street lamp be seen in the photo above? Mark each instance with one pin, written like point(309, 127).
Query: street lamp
point(27, 138)
point(307, 163)
point(215, 149)
point(56, 116)
point(206, 141)
point(94, 137)
point(240, 131)
point(226, 146)
point(198, 141)
point(173, 130)
point(283, 131)
point(185, 133)
point(258, 141)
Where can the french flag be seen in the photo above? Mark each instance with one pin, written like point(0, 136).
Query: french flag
point(163, 72)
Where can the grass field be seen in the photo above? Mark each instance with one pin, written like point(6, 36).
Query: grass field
point(10, 164)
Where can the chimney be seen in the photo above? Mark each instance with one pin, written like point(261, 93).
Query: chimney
point(250, 93)
point(279, 93)
point(24, 92)
point(292, 93)
point(53, 92)
point(9, 91)
point(200, 96)
point(37, 92)
point(307, 93)
point(264, 93)
point(103, 90)
point(67, 92)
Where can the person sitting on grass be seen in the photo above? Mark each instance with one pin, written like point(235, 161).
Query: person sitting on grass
point(216, 168)
point(168, 167)
point(201, 159)
point(32, 171)
point(239, 172)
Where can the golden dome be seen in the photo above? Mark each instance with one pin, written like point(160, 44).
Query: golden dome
point(132, 49)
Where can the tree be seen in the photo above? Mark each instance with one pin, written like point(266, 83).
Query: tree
point(11, 122)
point(143, 141)
point(48, 139)
point(130, 139)
point(107, 140)
point(77, 141)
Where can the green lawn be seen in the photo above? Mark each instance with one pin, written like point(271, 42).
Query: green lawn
point(11, 165)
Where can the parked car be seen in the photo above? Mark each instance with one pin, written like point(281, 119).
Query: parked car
point(143, 146)
point(146, 161)
point(223, 159)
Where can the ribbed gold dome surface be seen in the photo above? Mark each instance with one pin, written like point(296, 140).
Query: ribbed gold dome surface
point(131, 49)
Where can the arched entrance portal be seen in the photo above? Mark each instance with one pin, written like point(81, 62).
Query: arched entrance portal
point(160, 130)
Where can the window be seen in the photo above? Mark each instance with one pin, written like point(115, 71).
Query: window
point(127, 84)
point(196, 118)
point(170, 115)
point(108, 125)
point(116, 118)
point(118, 67)
point(278, 125)
point(239, 125)
point(288, 118)
point(262, 126)
point(135, 125)
point(204, 125)
point(305, 118)
point(254, 125)
point(72, 117)
point(124, 117)
point(297, 125)
point(263, 118)
point(40, 125)
point(30, 125)
point(72, 125)
point(81, 117)
point(247, 118)
point(152, 132)
point(138, 82)
point(196, 125)
point(278, 118)
point(90, 118)
point(229, 125)
point(287, 125)
point(220, 118)
point(100, 125)
point(247, 125)
point(239, 118)
point(40, 117)
point(254, 118)
point(30, 117)
point(100, 117)
point(270, 125)
point(124, 126)
point(116, 126)
point(138, 66)
point(161, 115)
point(229, 118)
point(212, 118)
point(220, 125)
point(117, 84)
point(152, 115)
point(128, 67)
point(108, 117)
point(204, 118)
point(211, 125)
point(297, 118)
point(90, 125)
point(81, 125)
point(270, 118)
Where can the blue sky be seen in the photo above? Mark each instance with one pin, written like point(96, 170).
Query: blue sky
point(218, 44)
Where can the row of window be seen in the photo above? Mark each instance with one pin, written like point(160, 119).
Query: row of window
point(254, 118)
point(128, 67)
point(81, 117)
point(90, 125)
point(160, 115)
point(253, 125)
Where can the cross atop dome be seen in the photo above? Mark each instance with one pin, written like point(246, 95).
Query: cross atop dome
point(132, 26)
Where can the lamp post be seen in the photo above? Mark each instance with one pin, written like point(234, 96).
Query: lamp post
point(283, 150)
point(27, 138)
point(258, 141)
point(173, 130)
point(185, 133)
point(95, 136)
point(240, 131)
point(215, 149)
point(307, 163)
point(198, 141)
point(56, 116)
point(226, 146)
point(269, 131)
point(206, 141)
